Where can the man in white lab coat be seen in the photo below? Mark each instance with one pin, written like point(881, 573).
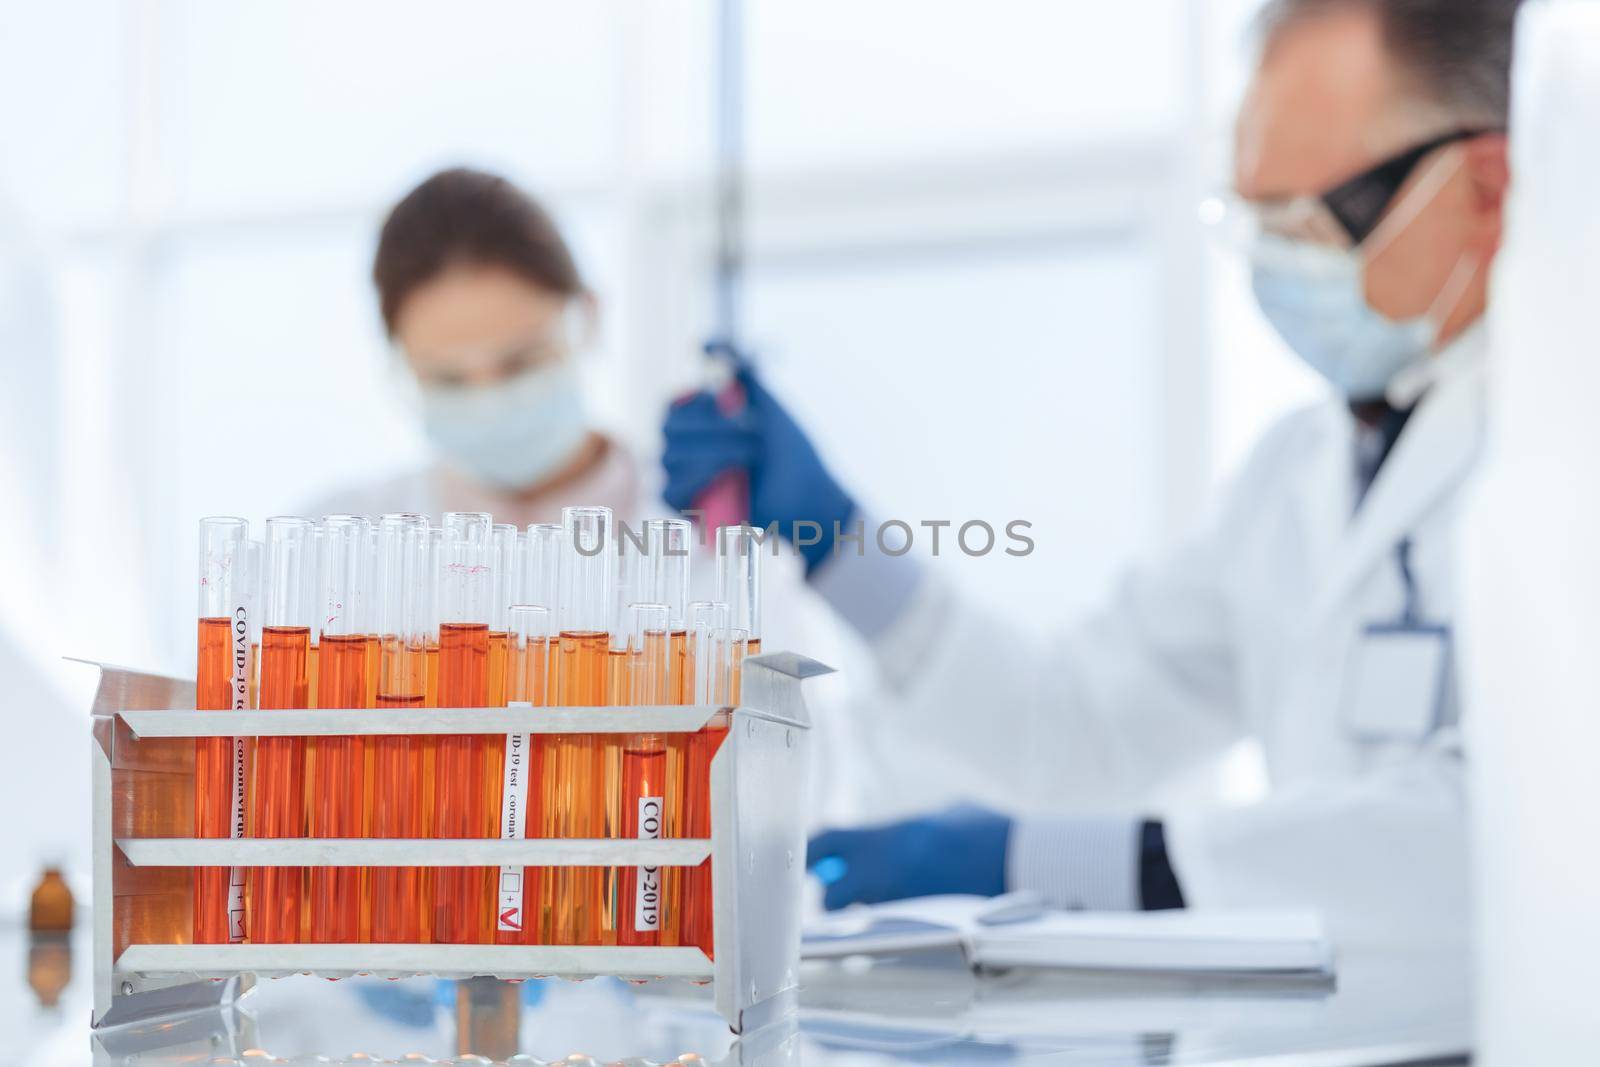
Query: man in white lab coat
point(1312, 612)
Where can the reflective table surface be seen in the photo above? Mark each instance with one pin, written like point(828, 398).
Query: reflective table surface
point(1386, 1007)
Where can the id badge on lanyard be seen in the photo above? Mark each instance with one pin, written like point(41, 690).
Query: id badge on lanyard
point(1395, 685)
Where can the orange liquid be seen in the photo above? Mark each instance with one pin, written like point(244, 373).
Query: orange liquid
point(369, 775)
point(430, 754)
point(495, 690)
point(338, 788)
point(460, 893)
point(213, 775)
point(431, 675)
point(572, 798)
point(279, 798)
point(400, 907)
point(680, 680)
point(695, 926)
point(752, 647)
point(370, 667)
point(494, 769)
point(617, 676)
point(611, 814)
point(311, 674)
point(639, 891)
point(525, 678)
point(253, 672)
point(680, 690)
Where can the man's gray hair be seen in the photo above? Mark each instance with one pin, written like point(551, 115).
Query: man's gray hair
point(1458, 52)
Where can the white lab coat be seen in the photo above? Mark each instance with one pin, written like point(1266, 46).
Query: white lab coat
point(1248, 631)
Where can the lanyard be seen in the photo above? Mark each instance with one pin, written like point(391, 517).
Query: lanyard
point(1411, 614)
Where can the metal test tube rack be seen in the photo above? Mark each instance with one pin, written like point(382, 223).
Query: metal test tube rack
point(143, 753)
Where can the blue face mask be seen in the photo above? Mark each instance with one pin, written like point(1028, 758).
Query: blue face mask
point(510, 435)
point(1312, 294)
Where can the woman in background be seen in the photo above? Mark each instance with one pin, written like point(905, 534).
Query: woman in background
point(481, 296)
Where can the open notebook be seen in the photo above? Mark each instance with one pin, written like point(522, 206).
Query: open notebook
point(1015, 931)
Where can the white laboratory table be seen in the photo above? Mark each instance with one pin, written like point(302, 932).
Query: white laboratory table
point(1386, 1007)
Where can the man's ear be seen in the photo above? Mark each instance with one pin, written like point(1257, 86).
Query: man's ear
point(1488, 171)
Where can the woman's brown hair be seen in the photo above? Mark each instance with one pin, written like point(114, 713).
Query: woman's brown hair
point(463, 216)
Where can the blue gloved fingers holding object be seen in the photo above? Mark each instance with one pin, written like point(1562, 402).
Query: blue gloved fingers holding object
point(962, 850)
point(788, 481)
point(702, 443)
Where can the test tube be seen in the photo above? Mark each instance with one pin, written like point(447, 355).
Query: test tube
point(644, 772)
point(221, 684)
point(714, 649)
point(338, 764)
point(585, 613)
point(278, 770)
point(310, 594)
point(367, 612)
point(541, 565)
point(505, 582)
point(541, 585)
point(503, 561)
point(527, 661)
point(255, 555)
point(430, 615)
point(665, 580)
point(461, 893)
point(629, 572)
point(400, 910)
point(739, 585)
point(518, 913)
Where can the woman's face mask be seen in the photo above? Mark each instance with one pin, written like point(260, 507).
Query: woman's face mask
point(511, 434)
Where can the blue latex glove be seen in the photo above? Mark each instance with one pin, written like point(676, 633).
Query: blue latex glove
point(787, 479)
point(962, 850)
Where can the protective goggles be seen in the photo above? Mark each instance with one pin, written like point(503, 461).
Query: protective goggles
point(572, 334)
point(1345, 215)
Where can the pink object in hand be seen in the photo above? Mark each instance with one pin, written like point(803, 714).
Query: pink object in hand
point(726, 501)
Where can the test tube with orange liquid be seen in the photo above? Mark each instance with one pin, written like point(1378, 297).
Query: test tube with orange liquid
point(339, 762)
point(221, 684)
point(644, 772)
point(714, 649)
point(401, 910)
point(461, 893)
point(629, 560)
point(503, 561)
point(664, 579)
point(273, 902)
point(575, 790)
point(517, 912)
point(541, 586)
point(739, 586)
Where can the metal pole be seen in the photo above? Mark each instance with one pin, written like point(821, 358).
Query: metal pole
point(729, 104)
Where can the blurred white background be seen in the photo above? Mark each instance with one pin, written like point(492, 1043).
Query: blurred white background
point(976, 274)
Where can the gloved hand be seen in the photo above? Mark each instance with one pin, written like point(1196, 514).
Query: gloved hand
point(787, 479)
point(962, 850)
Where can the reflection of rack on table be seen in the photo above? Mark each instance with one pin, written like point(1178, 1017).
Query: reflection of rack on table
point(145, 963)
